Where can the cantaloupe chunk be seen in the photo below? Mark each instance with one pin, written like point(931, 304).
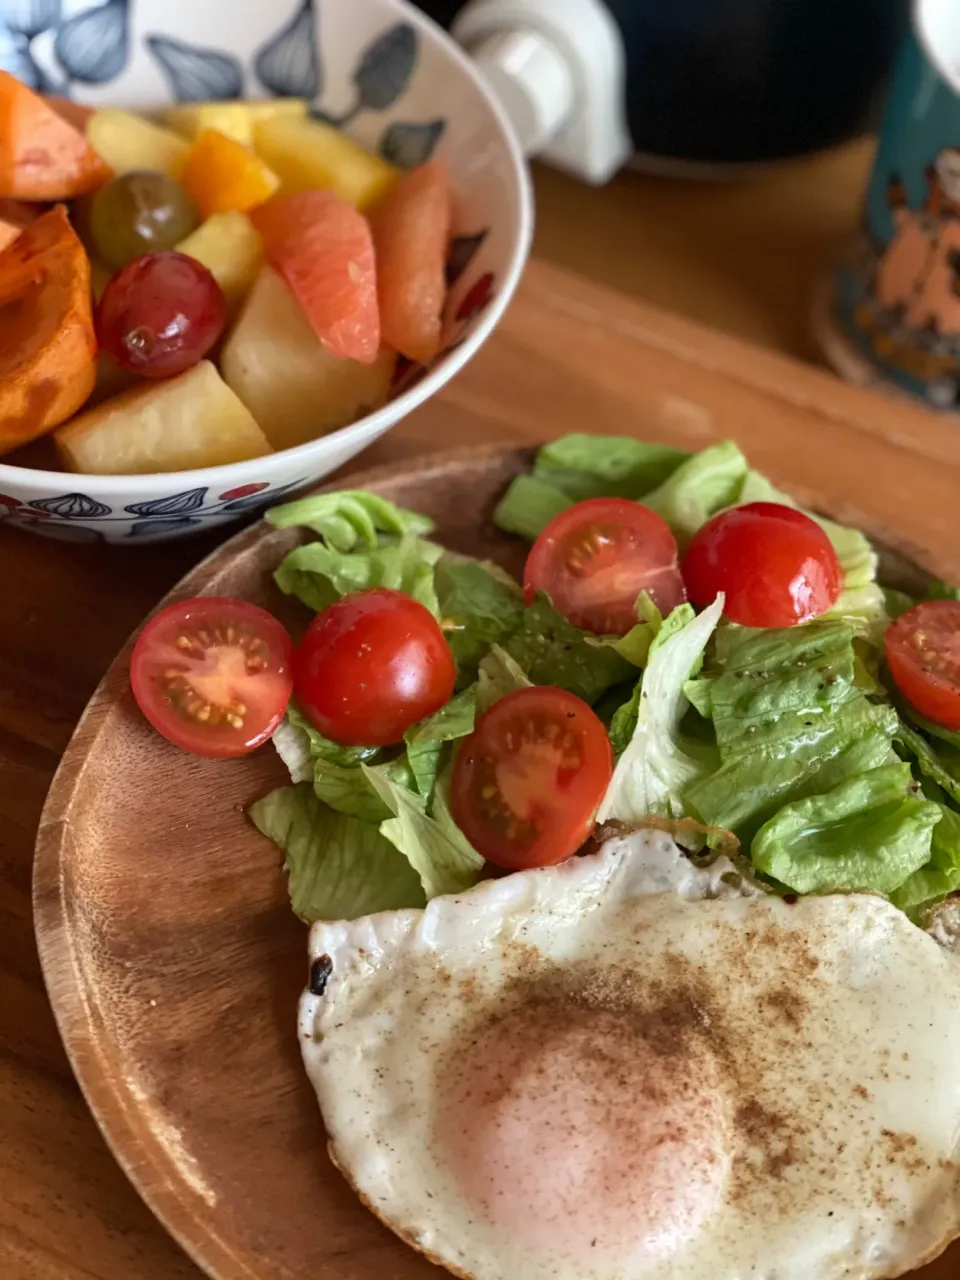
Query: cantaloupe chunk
point(288, 380)
point(222, 175)
point(128, 142)
point(231, 249)
point(306, 154)
point(235, 119)
point(193, 420)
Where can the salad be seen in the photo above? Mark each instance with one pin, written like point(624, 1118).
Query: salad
point(238, 279)
point(687, 648)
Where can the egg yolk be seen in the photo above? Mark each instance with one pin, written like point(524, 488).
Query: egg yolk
point(585, 1133)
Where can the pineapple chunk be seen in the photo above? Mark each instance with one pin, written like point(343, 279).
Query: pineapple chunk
point(235, 119)
point(229, 246)
point(288, 380)
point(125, 142)
point(193, 420)
point(306, 154)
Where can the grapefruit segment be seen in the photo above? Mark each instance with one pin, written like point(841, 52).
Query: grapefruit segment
point(323, 249)
point(42, 156)
point(47, 344)
point(411, 230)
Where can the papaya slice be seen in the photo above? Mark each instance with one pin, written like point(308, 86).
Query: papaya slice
point(323, 249)
point(42, 156)
point(48, 350)
point(411, 229)
point(74, 113)
point(8, 232)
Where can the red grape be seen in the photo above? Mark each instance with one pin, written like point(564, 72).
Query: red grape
point(160, 315)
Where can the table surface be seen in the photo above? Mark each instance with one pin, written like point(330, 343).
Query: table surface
point(569, 354)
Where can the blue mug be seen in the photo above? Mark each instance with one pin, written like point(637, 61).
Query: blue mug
point(896, 300)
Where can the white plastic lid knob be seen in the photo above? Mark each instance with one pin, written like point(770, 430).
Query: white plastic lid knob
point(532, 80)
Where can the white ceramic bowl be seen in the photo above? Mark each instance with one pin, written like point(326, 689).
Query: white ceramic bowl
point(395, 82)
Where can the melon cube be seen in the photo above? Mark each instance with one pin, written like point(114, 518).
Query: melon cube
point(235, 119)
point(306, 154)
point(126, 142)
point(229, 246)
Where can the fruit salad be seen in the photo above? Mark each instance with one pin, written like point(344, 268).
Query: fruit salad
point(230, 279)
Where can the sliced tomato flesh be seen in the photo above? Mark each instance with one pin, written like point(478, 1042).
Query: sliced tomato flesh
point(213, 675)
point(595, 558)
point(528, 781)
point(923, 654)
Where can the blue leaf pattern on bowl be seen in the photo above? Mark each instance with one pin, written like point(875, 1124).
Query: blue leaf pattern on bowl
point(197, 75)
point(72, 506)
point(29, 17)
point(386, 67)
point(463, 250)
point(407, 145)
point(288, 64)
point(93, 47)
point(16, 58)
point(160, 528)
point(176, 504)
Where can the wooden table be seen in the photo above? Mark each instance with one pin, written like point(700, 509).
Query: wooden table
point(569, 356)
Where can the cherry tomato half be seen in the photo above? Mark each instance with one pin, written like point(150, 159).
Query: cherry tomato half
point(213, 675)
point(372, 665)
point(776, 566)
point(529, 779)
point(595, 558)
point(923, 653)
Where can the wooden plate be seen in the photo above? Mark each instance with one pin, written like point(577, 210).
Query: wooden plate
point(174, 964)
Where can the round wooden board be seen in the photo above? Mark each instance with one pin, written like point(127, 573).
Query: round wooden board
point(174, 964)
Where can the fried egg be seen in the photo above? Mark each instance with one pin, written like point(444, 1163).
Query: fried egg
point(630, 1066)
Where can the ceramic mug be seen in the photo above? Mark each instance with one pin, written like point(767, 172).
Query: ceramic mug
point(896, 299)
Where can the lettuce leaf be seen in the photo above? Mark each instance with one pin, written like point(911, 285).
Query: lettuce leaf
point(871, 832)
point(551, 650)
point(706, 483)
point(528, 506)
point(584, 466)
point(299, 744)
point(426, 740)
point(498, 676)
point(654, 769)
point(653, 633)
point(440, 854)
point(338, 867)
point(349, 517)
point(941, 875)
point(318, 574)
point(940, 763)
point(479, 604)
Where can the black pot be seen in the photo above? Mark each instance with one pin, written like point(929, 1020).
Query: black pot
point(748, 81)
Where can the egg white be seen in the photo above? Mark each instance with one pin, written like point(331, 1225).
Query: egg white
point(823, 1038)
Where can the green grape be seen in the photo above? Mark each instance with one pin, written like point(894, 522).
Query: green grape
point(138, 213)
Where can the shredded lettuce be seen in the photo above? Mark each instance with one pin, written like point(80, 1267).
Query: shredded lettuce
point(348, 518)
point(706, 483)
point(438, 851)
point(654, 769)
point(338, 866)
point(871, 832)
point(498, 676)
point(426, 740)
point(550, 650)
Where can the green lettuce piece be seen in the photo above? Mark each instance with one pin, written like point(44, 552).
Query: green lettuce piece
point(868, 833)
point(528, 506)
point(338, 867)
point(896, 602)
point(751, 785)
point(937, 589)
point(299, 745)
point(348, 518)
point(318, 574)
point(585, 466)
point(767, 680)
point(348, 790)
point(940, 763)
point(706, 483)
point(950, 736)
point(426, 740)
point(441, 855)
point(498, 676)
point(941, 875)
point(654, 768)
point(479, 604)
point(656, 632)
point(551, 650)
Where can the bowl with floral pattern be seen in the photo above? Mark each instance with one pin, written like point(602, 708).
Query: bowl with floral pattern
point(381, 71)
